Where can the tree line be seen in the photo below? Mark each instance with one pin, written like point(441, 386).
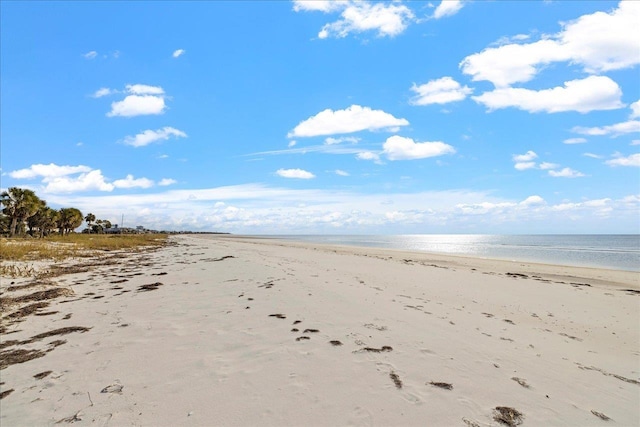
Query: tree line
point(24, 213)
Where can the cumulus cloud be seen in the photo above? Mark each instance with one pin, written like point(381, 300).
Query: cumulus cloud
point(635, 110)
point(527, 157)
point(521, 166)
point(547, 166)
point(574, 141)
point(631, 126)
point(295, 173)
point(353, 119)
point(402, 148)
point(179, 52)
point(532, 201)
point(149, 136)
point(139, 89)
point(166, 181)
point(93, 180)
point(565, 173)
point(331, 140)
point(319, 5)
point(585, 95)
point(69, 179)
point(258, 209)
point(599, 42)
point(341, 172)
point(47, 171)
point(368, 155)
point(90, 55)
point(447, 8)
point(388, 20)
point(525, 161)
point(103, 91)
point(632, 160)
point(439, 91)
point(135, 105)
point(142, 100)
point(131, 182)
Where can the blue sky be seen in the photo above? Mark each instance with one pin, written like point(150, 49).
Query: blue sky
point(327, 116)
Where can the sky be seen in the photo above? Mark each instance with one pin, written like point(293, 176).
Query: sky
point(327, 117)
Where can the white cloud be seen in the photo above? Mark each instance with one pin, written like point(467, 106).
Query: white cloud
point(547, 166)
point(331, 140)
point(527, 157)
point(47, 171)
point(599, 42)
point(319, 5)
point(632, 160)
point(447, 8)
point(439, 91)
point(368, 155)
point(69, 179)
point(591, 155)
point(521, 166)
point(532, 201)
point(178, 53)
point(292, 144)
point(166, 181)
point(585, 95)
point(387, 19)
point(574, 141)
point(635, 142)
point(139, 89)
point(135, 105)
point(524, 161)
point(401, 148)
point(353, 119)
point(635, 110)
point(565, 173)
point(84, 182)
point(131, 182)
point(103, 91)
point(149, 136)
point(90, 55)
point(341, 172)
point(631, 126)
point(295, 173)
point(261, 209)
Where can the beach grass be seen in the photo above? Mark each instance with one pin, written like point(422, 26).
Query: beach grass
point(58, 248)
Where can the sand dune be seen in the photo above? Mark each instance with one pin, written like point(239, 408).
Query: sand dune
point(216, 330)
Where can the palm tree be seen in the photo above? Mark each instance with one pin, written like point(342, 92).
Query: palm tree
point(69, 219)
point(34, 220)
point(89, 218)
point(19, 205)
point(45, 220)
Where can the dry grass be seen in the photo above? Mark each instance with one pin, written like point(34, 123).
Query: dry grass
point(58, 248)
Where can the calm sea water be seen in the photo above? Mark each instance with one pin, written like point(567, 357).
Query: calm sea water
point(619, 252)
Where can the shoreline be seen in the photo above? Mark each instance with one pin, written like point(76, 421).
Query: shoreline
point(221, 330)
point(516, 248)
point(594, 275)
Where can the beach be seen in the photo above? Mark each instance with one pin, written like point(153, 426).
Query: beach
point(228, 330)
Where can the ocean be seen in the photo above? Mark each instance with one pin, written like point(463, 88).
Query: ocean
point(615, 251)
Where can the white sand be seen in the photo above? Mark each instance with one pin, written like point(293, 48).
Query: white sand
point(202, 349)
